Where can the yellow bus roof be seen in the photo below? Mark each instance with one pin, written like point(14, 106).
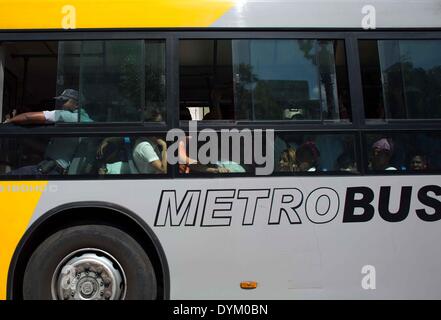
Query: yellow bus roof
point(51, 14)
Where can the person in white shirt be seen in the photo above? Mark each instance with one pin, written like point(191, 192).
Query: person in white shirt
point(150, 155)
point(70, 112)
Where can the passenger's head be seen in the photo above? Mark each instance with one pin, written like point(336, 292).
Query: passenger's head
point(307, 156)
point(287, 160)
point(346, 162)
point(69, 99)
point(418, 163)
point(382, 151)
point(156, 116)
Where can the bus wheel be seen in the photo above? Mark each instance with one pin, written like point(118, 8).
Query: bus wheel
point(90, 262)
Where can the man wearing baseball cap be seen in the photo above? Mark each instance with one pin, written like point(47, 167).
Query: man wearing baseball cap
point(60, 151)
point(70, 112)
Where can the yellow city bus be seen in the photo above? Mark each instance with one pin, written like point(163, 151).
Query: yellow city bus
point(320, 121)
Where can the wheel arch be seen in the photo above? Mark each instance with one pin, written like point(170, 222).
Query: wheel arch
point(81, 213)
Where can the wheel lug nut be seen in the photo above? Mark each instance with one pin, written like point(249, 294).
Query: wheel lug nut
point(106, 281)
point(107, 295)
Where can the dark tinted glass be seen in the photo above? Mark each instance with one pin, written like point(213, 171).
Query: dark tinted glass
point(401, 79)
point(410, 152)
point(91, 156)
point(315, 153)
point(264, 80)
point(115, 80)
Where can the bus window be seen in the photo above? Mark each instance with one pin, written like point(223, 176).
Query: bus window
point(206, 81)
point(314, 153)
point(115, 80)
point(87, 156)
point(293, 153)
point(119, 80)
point(270, 79)
point(410, 152)
point(401, 79)
point(291, 80)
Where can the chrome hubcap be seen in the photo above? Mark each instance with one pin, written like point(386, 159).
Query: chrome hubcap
point(89, 274)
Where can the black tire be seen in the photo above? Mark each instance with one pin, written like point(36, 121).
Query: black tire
point(141, 280)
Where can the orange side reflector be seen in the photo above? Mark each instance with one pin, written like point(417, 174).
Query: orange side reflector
point(248, 284)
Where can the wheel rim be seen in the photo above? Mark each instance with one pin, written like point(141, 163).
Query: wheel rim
point(89, 274)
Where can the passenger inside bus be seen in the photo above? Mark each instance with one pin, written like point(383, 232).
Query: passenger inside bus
point(188, 165)
point(331, 147)
point(116, 155)
point(287, 161)
point(382, 151)
point(418, 162)
point(150, 155)
point(346, 163)
point(68, 112)
point(111, 158)
point(307, 157)
point(154, 116)
point(60, 151)
point(215, 112)
point(318, 152)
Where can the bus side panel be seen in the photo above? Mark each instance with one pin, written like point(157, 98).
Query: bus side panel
point(297, 243)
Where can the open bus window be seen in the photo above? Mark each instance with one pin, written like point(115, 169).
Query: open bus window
point(417, 152)
point(89, 156)
point(114, 80)
point(314, 153)
point(401, 79)
point(271, 79)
